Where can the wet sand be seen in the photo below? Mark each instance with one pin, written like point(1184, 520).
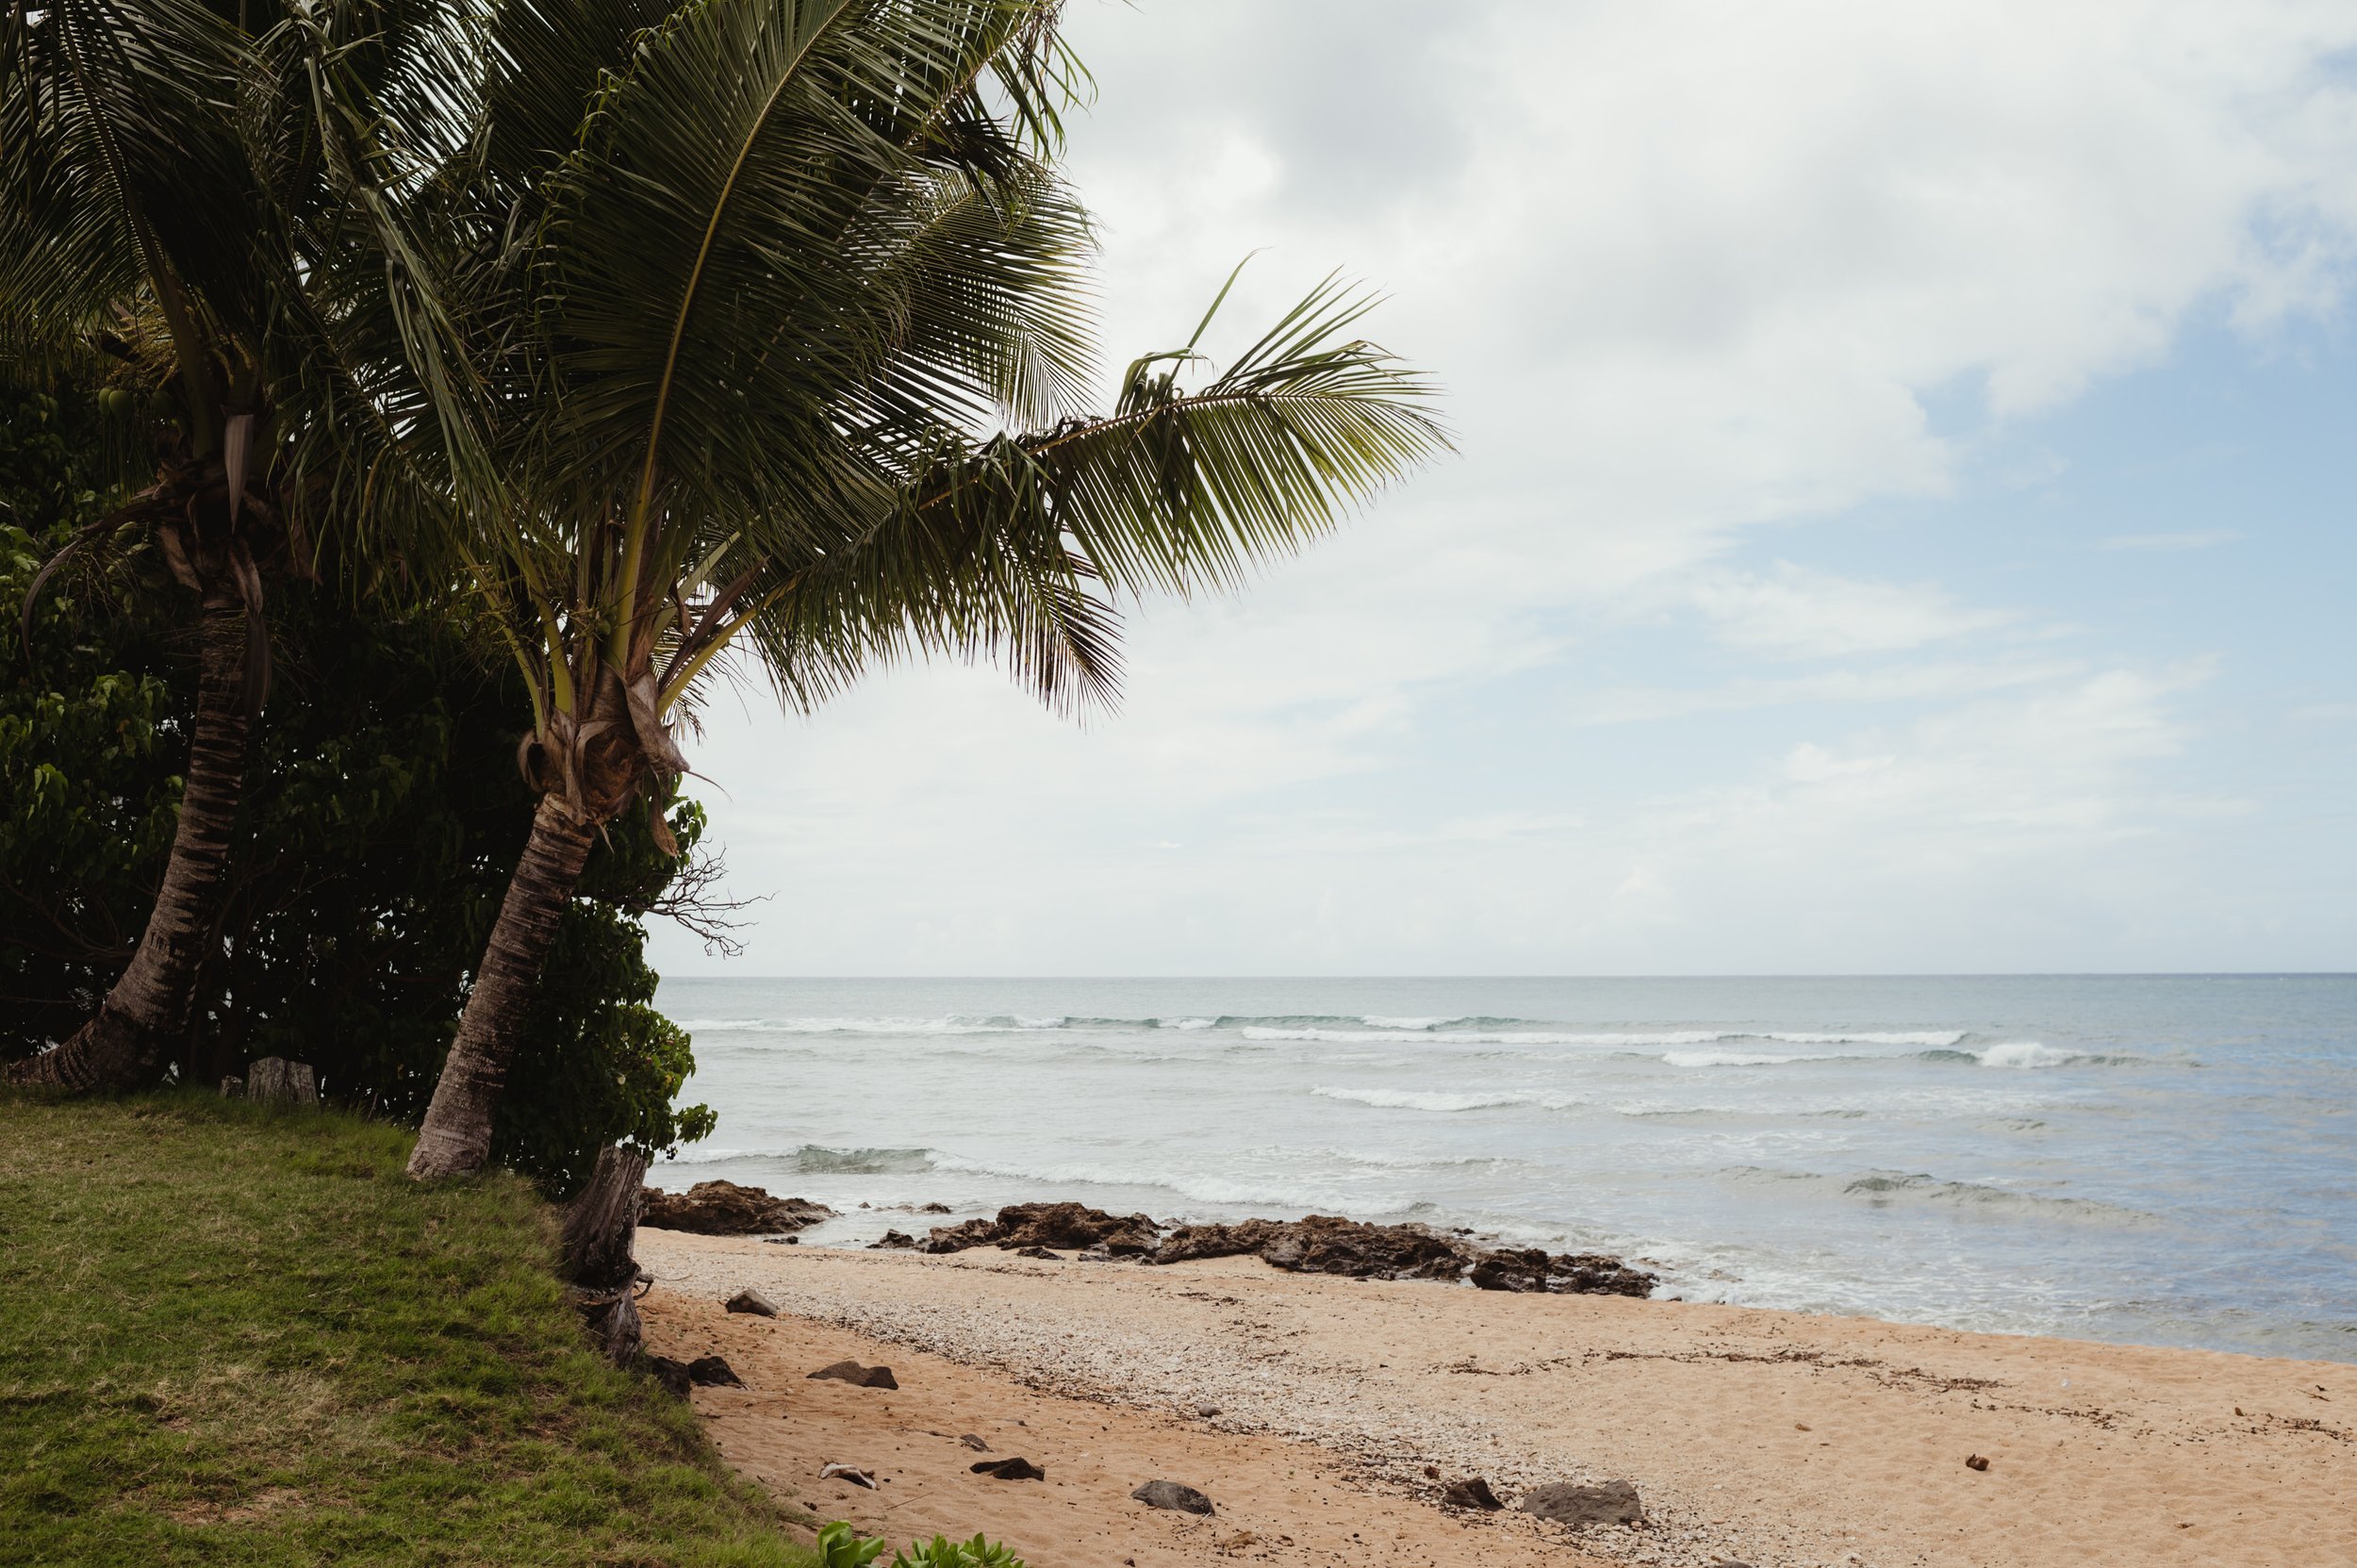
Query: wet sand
point(1772, 1439)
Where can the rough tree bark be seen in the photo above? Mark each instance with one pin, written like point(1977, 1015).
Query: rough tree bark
point(455, 1138)
point(148, 1010)
point(600, 1228)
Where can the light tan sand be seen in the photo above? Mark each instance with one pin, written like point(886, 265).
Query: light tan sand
point(1768, 1438)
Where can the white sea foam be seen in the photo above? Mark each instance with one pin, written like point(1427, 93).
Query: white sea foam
point(2030, 1053)
point(1738, 1059)
point(1480, 1037)
point(1420, 1099)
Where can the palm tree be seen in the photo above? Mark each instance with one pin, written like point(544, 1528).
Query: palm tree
point(187, 215)
point(751, 285)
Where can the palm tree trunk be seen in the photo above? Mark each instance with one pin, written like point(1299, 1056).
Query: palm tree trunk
point(455, 1138)
point(148, 1010)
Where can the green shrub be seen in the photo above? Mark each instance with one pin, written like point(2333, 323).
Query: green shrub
point(383, 815)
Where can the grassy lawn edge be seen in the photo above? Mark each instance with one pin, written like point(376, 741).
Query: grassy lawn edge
point(233, 1335)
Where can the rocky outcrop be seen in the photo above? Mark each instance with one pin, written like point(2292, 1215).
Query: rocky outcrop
point(1243, 1239)
point(1063, 1226)
point(725, 1208)
point(1322, 1244)
point(1317, 1244)
point(1561, 1274)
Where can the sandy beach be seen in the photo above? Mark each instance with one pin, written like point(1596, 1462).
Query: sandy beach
point(1323, 1416)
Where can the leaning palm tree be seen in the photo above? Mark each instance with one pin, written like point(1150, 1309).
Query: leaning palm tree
point(156, 199)
point(784, 333)
point(191, 212)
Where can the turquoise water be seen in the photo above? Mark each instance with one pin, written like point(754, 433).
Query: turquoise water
point(2161, 1160)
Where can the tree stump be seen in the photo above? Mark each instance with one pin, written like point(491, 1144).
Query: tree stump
point(275, 1080)
point(600, 1228)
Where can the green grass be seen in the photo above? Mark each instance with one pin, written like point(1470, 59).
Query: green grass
point(232, 1336)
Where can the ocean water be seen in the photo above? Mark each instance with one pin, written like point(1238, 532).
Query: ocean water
point(2158, 1160)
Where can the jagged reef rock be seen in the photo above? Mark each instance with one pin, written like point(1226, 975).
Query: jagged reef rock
point(1562, 1274)
point(1064, 1226)
point(725, 1208)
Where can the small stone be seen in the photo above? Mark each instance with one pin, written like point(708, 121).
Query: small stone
point(670, 1374)
point(1037, 1252)
point(709, 1370)
point(1975, 1462)
point(783, 1240)
point(752, 1301)
point(1173, 1494)
point(1017, 1469)
point(935, 1209)
point(1612, 1503)
point(863, 1377)
point(1207, 1412)
point(893, 1241)
point(1471, 1491)
point(975, 1443)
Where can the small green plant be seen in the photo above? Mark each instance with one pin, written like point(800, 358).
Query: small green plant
point(942, 1552)
point(839, 1547)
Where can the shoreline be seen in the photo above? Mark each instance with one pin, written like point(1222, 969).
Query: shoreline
point(1752, 1435)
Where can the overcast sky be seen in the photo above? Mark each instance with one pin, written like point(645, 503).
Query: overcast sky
point(1902, 520)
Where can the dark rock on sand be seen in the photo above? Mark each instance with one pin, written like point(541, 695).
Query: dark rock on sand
point(1612, 1503)
point(957, 1238)
point(975, 1443)
point(1173, 1495)
point(864, 1377)
point(1064, 1226)
point(670, 1374)
point(1322, 1244)
point(1016, 1469)
point(1562, 1274)
point(933, 1208)
point(1318, 1243)
point(708, 1370)
point(893, 1240)
point(1241, 1238)
point(725, 1208)
point(1037, 1252)
point(1471, 1491)
point(753, 1302)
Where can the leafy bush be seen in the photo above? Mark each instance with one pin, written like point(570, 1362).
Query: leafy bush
point(382, 817)
point(840, 1546)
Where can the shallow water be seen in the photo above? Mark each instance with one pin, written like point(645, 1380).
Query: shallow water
point(2161, 1160)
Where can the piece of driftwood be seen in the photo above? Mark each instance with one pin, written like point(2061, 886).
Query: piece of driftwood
point(600, 1230)
point(275, 1080)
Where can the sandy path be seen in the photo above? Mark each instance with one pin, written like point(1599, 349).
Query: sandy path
point(1769, 1438)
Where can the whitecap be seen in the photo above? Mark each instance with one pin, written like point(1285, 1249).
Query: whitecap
point(1420, 1099)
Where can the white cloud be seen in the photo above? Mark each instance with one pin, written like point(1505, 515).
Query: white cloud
point(1792, 613)
point(1685, 269)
